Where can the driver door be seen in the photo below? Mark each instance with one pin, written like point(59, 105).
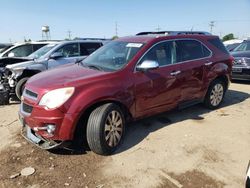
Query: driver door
point(158, 90)
point(70, 52)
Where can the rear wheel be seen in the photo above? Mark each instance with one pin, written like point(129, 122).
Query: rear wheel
point(20, 87)
point(215, 94)
point(105, 129)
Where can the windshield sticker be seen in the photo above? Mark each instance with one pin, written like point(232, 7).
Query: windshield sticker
point(134, 45)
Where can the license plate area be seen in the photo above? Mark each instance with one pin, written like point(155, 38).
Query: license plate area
point(237, 70)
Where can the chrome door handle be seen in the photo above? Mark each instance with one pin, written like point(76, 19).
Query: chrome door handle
point(175, 73)
point(209, 63)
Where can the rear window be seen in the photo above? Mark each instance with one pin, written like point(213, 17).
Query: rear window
point(88, 48)
point(218, 44)
point(37, 46)
point(190, 50)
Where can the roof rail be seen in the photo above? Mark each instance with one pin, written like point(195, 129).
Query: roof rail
point(90, 39)
point(174, 33)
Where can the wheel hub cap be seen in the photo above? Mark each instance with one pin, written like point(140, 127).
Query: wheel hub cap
point(216, 94)
point(113, 128)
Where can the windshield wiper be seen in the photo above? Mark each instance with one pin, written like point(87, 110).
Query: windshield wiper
point(79, 61)
point(94, 67)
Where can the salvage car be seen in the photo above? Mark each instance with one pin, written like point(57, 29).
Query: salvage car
point(241, 66)
point(47, 57)
point(4, 46)
point(23, 49)
point(127, 79)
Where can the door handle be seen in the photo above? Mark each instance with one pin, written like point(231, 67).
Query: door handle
point(208, 63)
point(174, 73)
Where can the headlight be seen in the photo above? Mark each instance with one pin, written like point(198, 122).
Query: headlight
point(56, 98)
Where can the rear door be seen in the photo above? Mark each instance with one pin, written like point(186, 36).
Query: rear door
point(193, 57)
point(158, 90)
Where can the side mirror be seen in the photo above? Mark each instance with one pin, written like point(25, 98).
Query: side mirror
point(11, 54)
point(56, 55)
point(147, 65)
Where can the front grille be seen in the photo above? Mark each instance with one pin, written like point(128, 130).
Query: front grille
point(27, 108)
point(30, 94)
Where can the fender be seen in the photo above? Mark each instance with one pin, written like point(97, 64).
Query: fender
point(217, 70)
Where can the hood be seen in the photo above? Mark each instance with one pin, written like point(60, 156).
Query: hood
point(22, 65)
point(68, 75)
point(12, 60)
point(241, 54)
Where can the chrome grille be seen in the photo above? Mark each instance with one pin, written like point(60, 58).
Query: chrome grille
point(30, 94)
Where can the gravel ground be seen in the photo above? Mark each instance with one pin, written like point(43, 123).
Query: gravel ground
point(192, 148)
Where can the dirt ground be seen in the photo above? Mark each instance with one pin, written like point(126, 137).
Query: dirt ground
point(190, 148)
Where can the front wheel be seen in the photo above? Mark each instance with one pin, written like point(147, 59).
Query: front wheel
point(215, 94)
point(105, 129)
point(20, 87)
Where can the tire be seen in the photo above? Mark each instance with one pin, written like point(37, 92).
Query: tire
point(215, 94)
point(107, 117)
point(20, 87)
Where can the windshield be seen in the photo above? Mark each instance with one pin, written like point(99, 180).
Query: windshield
point(245, 46)
point(42, 51)
point(113, 56)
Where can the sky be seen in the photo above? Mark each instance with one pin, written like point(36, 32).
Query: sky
point(98, 18)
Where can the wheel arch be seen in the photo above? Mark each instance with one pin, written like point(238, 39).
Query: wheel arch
point(81, 122)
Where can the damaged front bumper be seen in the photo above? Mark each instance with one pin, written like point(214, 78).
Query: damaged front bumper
point(43, 143)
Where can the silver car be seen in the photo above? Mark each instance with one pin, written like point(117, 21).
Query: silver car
point(48, 57)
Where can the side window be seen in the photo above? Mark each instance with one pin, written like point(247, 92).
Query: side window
point(190, 49)
point(20, 51)
point(218, 44)
point(37, 46)
point(163, 53)
point(88, 48)
point(69, 50)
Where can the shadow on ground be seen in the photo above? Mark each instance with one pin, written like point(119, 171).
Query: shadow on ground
point(139, 130)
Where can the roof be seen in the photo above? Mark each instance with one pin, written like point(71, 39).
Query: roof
point(145, 37)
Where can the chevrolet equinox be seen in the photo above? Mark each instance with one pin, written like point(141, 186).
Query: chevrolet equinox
point(127, 79)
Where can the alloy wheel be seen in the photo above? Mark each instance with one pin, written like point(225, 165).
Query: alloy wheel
point(113, 128)
point(216, 95)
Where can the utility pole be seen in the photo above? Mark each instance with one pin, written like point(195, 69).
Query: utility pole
point(211, 24)
point(158, 28)
point(69, 34)
point(116, 29)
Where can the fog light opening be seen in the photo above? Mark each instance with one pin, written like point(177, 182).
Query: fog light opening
point(51, 129)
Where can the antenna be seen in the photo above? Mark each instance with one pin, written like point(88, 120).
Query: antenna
point(46, 32)
point(211, 24)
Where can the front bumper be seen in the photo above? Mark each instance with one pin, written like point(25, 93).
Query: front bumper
point(35, 119)
point(47, 144)
point(241, 73)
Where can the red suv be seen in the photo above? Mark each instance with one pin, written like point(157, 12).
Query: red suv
point(127, 79)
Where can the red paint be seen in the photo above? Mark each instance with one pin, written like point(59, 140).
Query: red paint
point(142, 93)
